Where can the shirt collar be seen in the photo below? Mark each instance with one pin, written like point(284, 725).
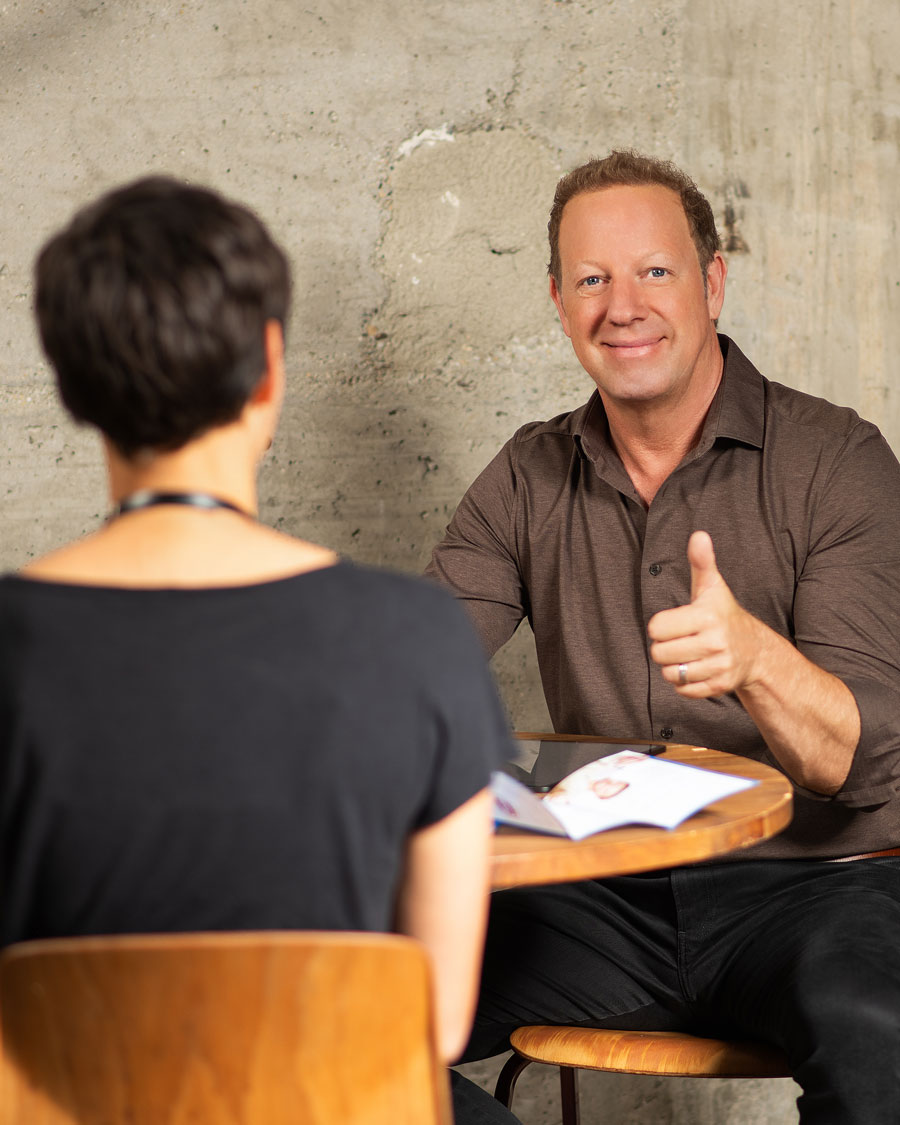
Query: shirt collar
point(741, 414)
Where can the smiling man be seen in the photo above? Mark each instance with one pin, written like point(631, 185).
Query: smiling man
point(708, 557)
point(638, 305)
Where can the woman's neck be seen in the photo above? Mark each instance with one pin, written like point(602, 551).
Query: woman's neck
point(216, 464)
point(178, 544)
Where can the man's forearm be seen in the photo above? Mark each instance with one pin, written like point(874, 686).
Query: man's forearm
point(712, 646)
point(807, 716)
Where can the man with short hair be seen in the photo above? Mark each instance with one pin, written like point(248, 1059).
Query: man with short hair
point(704, 557)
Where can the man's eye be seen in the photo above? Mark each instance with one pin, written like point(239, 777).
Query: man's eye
point(591, 281)
point(657, 271)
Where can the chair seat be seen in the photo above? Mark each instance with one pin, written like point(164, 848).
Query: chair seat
point(648, 1052)
point(267, 1028)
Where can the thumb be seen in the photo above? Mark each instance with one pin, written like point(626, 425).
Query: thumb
point(702, 557)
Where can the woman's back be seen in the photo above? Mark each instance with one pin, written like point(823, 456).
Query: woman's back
point(236, 757)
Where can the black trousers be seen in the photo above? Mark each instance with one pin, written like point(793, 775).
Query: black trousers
point(805, 955)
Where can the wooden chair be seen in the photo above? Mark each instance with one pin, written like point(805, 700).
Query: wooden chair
point(631, 1052)
point(220, 1029)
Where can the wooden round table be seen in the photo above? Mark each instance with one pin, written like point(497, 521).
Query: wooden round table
point(521, 858)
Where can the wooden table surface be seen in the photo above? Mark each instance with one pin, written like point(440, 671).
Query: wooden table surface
point(521, 858)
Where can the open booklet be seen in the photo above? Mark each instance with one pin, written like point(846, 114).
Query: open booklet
point(627, 787)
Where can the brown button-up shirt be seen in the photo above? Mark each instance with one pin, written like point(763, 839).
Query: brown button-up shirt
point(802, 500)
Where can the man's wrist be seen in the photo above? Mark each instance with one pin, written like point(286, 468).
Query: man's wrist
point(762, 646)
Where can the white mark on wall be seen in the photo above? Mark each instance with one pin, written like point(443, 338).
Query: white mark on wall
point(428, 137)
point(449, 197)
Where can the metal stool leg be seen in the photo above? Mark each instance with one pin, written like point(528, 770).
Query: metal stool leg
point(507, 1078)
point(568, 1089)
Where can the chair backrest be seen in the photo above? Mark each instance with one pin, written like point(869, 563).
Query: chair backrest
point(253, 1028)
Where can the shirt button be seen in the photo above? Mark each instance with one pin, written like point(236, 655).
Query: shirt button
point(655, 569)
point(666, 733)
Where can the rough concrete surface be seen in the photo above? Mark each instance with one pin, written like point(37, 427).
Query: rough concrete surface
point(406, 155)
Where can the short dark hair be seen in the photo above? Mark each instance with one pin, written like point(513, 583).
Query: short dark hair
point(629, 168)
point(152, 305)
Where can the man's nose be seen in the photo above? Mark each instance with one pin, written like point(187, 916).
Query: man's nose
point(626, 301)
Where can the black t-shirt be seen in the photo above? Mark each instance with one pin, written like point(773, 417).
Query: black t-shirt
point(244, 758)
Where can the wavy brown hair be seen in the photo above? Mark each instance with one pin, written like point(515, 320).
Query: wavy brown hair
point(629, 168)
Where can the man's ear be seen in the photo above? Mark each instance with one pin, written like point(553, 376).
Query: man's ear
point(557, 300)
point(716, 272)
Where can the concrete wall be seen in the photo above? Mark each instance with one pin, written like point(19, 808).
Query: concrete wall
point(406, 156)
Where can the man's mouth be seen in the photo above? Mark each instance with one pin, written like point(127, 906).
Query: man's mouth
point(627, 348)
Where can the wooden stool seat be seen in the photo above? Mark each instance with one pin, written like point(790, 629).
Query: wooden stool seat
point(648, 1052)
point(632, 1052)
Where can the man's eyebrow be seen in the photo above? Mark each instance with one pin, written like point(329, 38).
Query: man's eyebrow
point(645, 258)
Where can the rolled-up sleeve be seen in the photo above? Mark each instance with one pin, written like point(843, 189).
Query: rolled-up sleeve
point(847, 603)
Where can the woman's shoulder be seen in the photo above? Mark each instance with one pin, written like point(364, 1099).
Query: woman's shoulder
point(400, 596)
point(319, 578)
point(157, 553)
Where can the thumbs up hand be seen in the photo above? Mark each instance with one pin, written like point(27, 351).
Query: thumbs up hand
point(707, 647)
point(704, 572)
